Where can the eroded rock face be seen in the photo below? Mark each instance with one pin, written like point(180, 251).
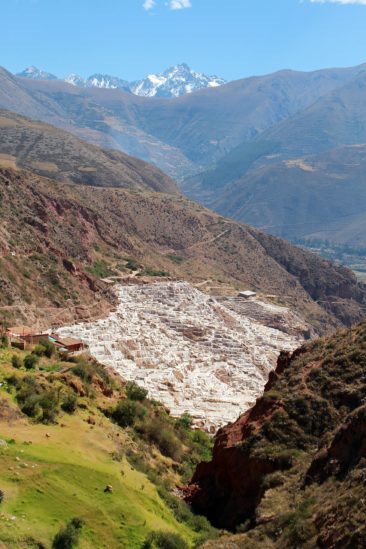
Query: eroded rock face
point(189, 351)
point(346, 449)
point(228, 488)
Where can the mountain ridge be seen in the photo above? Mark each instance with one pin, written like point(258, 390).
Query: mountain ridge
point(175, 81)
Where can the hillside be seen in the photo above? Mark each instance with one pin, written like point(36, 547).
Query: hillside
point(179, 135)
point(302, 178)
point(57, 154)
point(290, 472)
point(77, 444)
point(66, 239)
point(320, 196)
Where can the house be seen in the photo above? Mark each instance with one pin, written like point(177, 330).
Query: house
point(26, 334)
point(247, 294)
point(67, 344)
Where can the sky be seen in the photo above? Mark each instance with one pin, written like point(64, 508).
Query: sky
point(132, 38)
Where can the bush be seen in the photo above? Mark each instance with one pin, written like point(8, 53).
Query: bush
point(164, 540)
point(126, 412)
point(185, 421)
point(68, 537)
point(132, 265)
point(134, 392)
point(70, 403)
point(16, 362)
point(84, 372)
point(48, 401)
point(4, 342)
point(31, 407)
point(159, 432)
point(30, 362)
point(44, 348)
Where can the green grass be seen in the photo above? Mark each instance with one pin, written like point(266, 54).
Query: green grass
point(53, 473)
point(64, 476)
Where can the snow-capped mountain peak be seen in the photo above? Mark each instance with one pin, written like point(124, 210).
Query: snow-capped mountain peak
point(173, 82)
point(76, 80)
point(36, 74)
point(108, 82)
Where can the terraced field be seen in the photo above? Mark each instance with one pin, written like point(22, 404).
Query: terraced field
point(188, 350)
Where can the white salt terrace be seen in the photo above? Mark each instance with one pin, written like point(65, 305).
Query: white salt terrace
point(188, 350)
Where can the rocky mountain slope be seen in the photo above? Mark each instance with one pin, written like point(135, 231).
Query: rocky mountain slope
point(302, 178)
point(180, 135)
point(54, 153)
point(173, 82)
point(66, 238)
point(314, 197)
point(291, 471)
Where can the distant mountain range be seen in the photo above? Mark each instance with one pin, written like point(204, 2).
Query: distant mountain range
point(284, 152)
point(69, 205)
point(174, 82)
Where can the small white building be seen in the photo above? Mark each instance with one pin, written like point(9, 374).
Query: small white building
point(247, 294)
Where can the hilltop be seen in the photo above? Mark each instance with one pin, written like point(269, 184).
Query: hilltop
point(54, 153)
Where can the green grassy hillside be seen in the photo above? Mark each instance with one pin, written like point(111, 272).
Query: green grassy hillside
point(55, 466)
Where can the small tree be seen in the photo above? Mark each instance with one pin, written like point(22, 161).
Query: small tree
point(164, 540)
point(30, 362)
point(16, 362)
point(68, 537)
point(70, 403)
point(185, 421)
point(134, 392)
point(125, 413)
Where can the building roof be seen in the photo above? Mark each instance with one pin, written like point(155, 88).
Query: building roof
point(67, 341)
point(21, 331)
point(247, 293)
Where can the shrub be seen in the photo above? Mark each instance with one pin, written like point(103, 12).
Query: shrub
point(84, 372)
point(157, 431)
point(48, 401)
point(4, 342)
point(132, 265)
point(164, 540)
point(134, 392)
point(68, 537)
point(126, 412)
point(47, 347)
point(16, 362)
point(185, 421)
point(70, 403)
point(30, 361)
point(31, 406)
point(39, 350)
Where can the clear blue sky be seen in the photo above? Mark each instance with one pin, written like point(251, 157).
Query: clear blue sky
point(231, 38)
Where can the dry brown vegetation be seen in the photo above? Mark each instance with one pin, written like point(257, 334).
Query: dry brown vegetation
point(58, 241)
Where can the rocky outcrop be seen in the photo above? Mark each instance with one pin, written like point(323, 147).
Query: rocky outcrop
point(293, 468)
point(228, 489)
point(346, 449)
